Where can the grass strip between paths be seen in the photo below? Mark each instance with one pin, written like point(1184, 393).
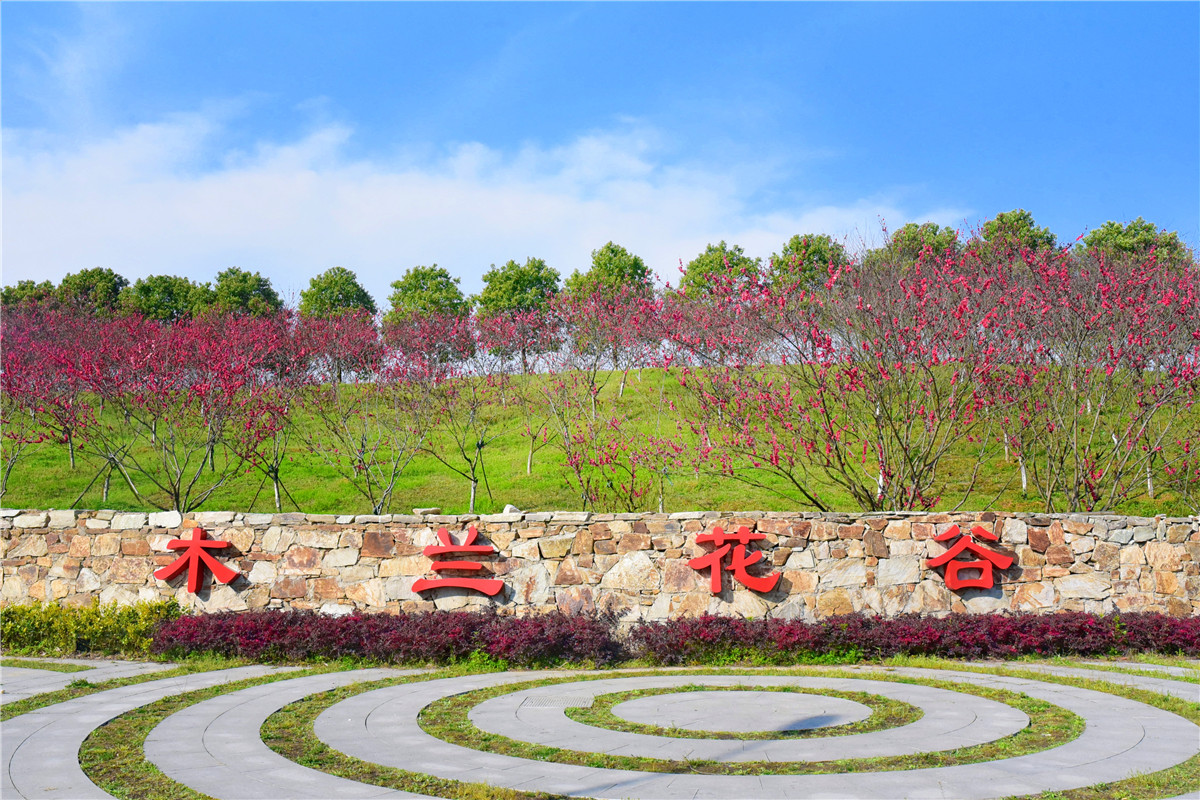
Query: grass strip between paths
point(289, 732)
point(1049, 727)
point(114, 753)
point(886, 712)
point(52, 666)
point(113, 756)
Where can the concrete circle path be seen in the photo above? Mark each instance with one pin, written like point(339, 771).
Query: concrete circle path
point(215, 747)
point(1122, 738)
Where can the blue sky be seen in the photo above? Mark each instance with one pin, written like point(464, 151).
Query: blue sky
point(287, 138)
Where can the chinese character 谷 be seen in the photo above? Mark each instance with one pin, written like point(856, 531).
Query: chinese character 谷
point(987, 558)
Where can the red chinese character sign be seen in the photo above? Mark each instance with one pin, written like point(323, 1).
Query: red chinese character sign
point(739, 558)
point(195, 558)
point(986, 562)
point(489, 587)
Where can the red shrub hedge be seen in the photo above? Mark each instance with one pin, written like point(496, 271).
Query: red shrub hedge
point(707, 638)
point(448, 636)
point(437, 636)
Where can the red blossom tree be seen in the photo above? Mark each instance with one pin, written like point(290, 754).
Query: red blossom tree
point(867, 382)
point(184, 405)
point(47, 355)
point(464, 364)
point(369, 425)
point(1103, 366)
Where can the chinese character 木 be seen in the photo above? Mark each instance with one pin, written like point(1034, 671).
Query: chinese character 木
point(195, 558)
point(987, 560)
point(489, 587)
point(739, 559)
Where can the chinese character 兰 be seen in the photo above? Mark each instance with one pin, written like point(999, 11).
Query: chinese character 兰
point(489, 587)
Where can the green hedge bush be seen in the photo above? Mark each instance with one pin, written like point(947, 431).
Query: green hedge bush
point(51, 629)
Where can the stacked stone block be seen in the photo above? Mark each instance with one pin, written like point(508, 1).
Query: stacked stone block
point(634, 565)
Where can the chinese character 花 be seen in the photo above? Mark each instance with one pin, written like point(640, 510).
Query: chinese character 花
point(739, 559)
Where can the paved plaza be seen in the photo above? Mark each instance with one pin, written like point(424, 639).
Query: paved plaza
point(214, 746)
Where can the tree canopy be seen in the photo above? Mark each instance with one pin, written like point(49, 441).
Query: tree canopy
point(1138, 238)
point(718, 263)
point(805, 259)
point(614, 271)
point(96, 289)
point(335, 291)
point(246, 292)
point(166, 297)
point(426, 290)
point(1017, 230)
point(906, 244)
point(517, 287)
point(27, 291)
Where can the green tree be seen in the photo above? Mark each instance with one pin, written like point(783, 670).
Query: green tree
point(426, 290)
point(716, 265)
point(1137, 238)
point(239, 290)
point(1016, 230)
point(805, 259)
point(97, 289)
point(335, 291)
point(27, 292)
point(166, 297)
point(614, 271)
point(520, 292)
point(517, 287)
point(906, 244)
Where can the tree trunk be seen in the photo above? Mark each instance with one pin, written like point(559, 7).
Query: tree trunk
point(8, 468)
point(275, 484)
point(107, 481)
point(529, 458)
point(1024, 478)
point(71, 448)
point(474, 489)
point(1149, 481)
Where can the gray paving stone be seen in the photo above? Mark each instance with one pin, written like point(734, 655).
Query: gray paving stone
point(1178, 672)
point(1180, 689)
point(17, 683)
point(39, 750)
point(214, 746)
point(740, 711)
point(1121, 738)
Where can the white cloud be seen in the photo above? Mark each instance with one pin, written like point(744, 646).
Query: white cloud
point(138, 203)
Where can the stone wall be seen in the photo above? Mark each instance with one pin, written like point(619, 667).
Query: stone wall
point(633, 564)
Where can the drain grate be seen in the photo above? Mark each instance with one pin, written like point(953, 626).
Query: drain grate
point(559, 701)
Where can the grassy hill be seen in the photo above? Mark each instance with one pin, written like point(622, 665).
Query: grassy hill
point(43, 478)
